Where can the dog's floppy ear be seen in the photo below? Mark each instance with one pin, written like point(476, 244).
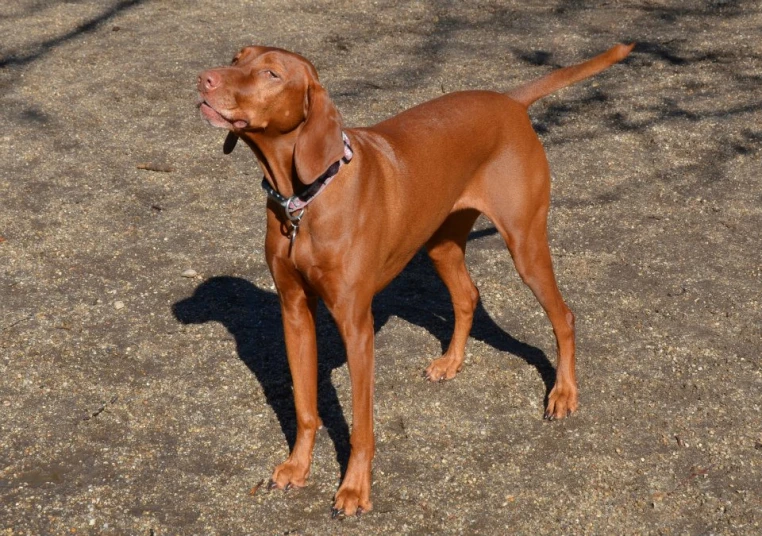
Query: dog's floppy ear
point(319, 144)
point(230, 140)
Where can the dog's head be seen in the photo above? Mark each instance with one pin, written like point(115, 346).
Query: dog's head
point(271, 92)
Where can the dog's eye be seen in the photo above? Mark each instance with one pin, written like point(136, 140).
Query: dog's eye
point(272, 75)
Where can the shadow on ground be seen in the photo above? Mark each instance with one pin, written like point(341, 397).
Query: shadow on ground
point(252, 316)
point(89, 26)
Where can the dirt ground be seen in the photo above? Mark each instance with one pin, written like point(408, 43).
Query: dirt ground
point(136, 400)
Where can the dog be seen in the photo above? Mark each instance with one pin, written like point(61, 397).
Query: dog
point(348, 208)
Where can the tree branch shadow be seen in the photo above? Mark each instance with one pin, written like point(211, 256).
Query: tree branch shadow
point(40, 49)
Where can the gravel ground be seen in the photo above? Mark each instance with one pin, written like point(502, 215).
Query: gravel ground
point(143, 384)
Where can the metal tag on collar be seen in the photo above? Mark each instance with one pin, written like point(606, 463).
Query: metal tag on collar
point(295, 222)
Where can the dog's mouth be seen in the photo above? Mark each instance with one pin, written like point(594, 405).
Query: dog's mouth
point(216, 119)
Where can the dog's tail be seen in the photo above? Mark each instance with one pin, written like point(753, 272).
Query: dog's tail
point(561, 78)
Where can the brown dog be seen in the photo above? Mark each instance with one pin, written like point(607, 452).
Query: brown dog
point(419, 178)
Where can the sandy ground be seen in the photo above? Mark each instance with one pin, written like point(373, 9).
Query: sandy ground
point(136, 401)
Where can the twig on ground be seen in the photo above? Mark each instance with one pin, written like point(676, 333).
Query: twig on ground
point(149, 166)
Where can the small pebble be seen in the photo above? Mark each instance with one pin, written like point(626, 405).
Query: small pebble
point(118, 305)
point(190, 273)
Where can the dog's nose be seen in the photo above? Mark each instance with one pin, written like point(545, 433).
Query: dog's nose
point(208, 80)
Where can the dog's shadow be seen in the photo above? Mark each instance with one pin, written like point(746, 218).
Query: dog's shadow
point(252, 316)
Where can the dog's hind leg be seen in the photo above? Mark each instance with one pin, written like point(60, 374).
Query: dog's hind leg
point(520, 216)
point(447, 249)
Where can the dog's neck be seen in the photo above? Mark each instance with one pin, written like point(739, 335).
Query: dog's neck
point(275, 154)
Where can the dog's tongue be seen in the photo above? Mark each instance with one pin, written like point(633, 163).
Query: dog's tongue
point(240, 124)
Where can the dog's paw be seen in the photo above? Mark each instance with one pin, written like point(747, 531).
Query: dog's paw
point(289, 475)
point(562, 402)
point(444, 368)
point(351, 500)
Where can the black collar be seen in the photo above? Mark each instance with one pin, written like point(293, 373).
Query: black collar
point(295, 205)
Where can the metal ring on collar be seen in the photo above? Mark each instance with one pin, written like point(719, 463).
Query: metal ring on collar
point(294, 219)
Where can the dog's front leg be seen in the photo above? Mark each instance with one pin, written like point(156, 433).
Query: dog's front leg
point(355, 323)
point(298, 310)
